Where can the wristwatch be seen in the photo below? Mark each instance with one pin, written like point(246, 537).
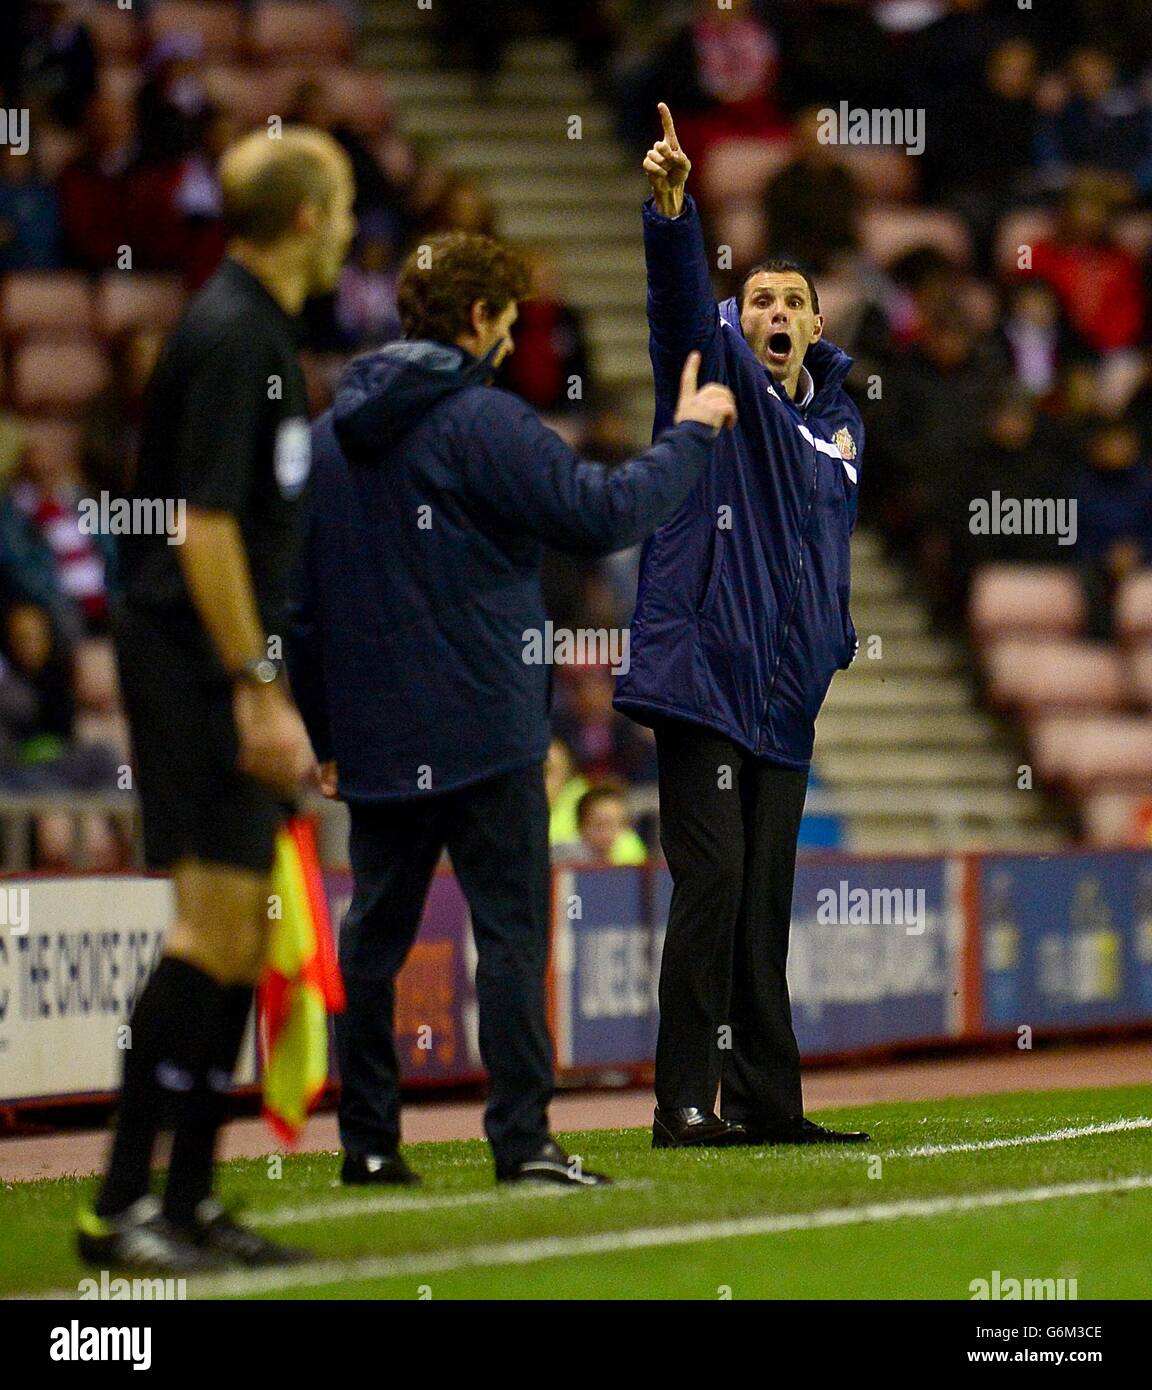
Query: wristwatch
point(261, 670)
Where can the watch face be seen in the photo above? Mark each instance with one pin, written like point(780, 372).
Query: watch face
point(266, 671)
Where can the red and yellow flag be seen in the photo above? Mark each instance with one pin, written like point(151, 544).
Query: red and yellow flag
point(300, 987)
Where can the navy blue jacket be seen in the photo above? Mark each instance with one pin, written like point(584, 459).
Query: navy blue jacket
point(433, 496)
point(742, 608)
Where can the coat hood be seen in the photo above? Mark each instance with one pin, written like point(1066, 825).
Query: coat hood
point(828, 364)
point(381, 396)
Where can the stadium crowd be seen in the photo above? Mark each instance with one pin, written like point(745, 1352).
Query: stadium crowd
point(994, 291)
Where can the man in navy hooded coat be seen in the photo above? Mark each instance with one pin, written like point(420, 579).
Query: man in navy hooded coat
point(741, 622)
point(411, 658)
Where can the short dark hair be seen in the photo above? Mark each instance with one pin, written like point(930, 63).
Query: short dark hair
point(447, 273)
point(602, 791)
point(781, 265)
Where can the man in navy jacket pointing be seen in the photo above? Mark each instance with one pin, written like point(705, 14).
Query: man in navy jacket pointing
point(741, 621)
point(433, 496)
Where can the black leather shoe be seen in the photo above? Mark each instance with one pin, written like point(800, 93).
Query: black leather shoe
point(551, 1164)
point(371, 1170)
point(801, 1132)
point(690, 1127)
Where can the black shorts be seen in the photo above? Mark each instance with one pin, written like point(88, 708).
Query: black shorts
point(195, 802)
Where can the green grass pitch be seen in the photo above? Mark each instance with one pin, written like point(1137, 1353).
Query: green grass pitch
point(881, 1221)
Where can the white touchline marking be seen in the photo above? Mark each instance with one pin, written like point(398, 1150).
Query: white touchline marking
point(369, 1206)
point(1051, 1136)
point(611, 1242)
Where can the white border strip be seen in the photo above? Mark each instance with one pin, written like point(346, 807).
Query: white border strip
point(644, 1238)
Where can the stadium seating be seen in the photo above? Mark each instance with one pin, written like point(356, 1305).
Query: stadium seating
point(1036, 676)
point(37, 302)
point(1014, 599)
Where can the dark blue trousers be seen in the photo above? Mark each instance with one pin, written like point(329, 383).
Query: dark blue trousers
point(496, 833)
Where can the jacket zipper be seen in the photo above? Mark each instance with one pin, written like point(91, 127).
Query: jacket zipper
point(795, 589)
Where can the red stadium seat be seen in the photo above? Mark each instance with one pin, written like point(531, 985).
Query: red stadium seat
point(1012, 599)
point(57, 376)
point(888, 232)
point(1134, 606)
point(1054, 674)
point(1085, 752)
point(1024, 227)
point(135, 299)
point(219, 24)
point(115, 32)
point(283, 31)
point(36, 301)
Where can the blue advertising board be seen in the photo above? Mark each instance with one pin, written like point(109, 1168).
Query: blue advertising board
point(1066, 940)
point(876, 952)
point(604, 984)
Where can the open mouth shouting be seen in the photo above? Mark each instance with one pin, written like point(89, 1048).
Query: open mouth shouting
point(779, 348)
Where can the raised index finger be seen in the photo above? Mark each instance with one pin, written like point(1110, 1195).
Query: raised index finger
point(688, 375)
point(669, 128)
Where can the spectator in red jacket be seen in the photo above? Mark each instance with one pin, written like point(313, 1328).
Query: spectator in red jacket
point(1100, 283)
point(93, 188)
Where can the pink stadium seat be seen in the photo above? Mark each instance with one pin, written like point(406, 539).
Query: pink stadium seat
point(1134, 606)
point(742, 227)
point(37, 301)
point(1007, 600)
point(888, 232)
point(1084, 752)
point(1112, 819)
point(1047, 674)
point(218, 22)
point(742, 169)
point(1140, 671)
point(127, 299)
point(880, 172)
point(359, 99)
point(115, 32)
point(839, 300)
point(251, 94)
point(1023, 228)
point(61, 376)
point(287, 30)
point(59, 437)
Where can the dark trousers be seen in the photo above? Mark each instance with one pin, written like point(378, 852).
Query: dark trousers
point(496, 833)
point(729, 825)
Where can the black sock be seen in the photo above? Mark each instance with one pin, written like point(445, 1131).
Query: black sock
point(194, 1143)
point(171, 1032)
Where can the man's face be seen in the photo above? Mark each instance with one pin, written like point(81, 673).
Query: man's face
point(335, 227)
point(780, 323)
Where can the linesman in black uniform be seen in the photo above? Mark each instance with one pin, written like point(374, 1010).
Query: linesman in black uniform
point(217, 741)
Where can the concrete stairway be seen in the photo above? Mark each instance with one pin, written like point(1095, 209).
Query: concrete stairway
point(909, 758)
point(576, 198)
point(905, 754)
